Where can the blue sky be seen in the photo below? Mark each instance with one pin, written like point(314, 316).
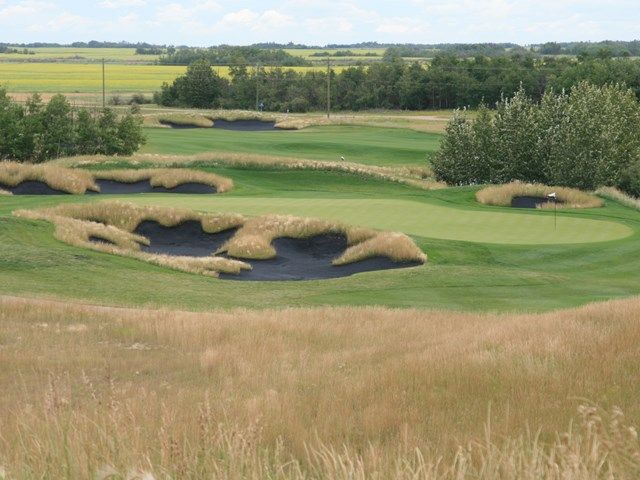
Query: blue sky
point(211, 22)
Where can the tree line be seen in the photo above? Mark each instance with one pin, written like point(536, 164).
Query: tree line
point(586, 139)
point(38, 131)
point(447, 82)
point(230, 55)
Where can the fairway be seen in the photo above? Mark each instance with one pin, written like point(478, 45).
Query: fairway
point(367, 145)
point(419, 219)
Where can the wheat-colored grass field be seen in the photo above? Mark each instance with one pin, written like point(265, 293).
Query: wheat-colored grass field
point(317, 393)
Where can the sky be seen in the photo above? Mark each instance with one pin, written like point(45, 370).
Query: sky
point(318, 22)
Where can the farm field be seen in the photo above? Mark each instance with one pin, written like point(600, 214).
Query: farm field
point(360, 144)
point(67, 54)
point(87, 78)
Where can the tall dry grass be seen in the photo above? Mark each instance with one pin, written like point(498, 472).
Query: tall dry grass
point(178, 119)
point(167, 177)
point(502, 195)
point(59, 178)
point(338, 393)
point(620, 197)
point(417, 177)
point(78, 181)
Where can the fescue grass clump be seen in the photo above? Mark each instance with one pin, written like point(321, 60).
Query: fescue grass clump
point(396, 246)
point(179, 120)
point(167, 177)
point(502, 195)
point(614, 194)
point(78, 181)
point(64, 179)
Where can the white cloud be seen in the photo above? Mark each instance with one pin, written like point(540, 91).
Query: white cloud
point(123, 3)
point(27, 7)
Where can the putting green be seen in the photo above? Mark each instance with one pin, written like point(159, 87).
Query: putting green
point(415, 218)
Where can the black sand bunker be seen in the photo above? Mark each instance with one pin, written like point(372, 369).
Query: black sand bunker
point(32, 187)
point(186, 239)
point(530, 202)
point(245, 125)
point(310, 259)
point(112, 187)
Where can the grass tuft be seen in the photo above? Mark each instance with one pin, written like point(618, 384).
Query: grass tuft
point(59, 178)
point(502, 195)
point(620, 197)
point(178, 119)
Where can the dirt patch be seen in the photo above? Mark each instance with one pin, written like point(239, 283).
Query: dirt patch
point(310, 259)
point(530, 202)
point(32, 187)
point(186, 239)
point(245, 125)
point(112, 187)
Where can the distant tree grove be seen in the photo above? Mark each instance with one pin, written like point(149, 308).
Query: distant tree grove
point(38, 131)
point(586, 138)
point(447, 82)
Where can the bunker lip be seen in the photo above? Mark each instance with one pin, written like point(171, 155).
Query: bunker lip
point(98, 239)
point(245, 125)
point(112, 187)
point(185, 239)
point(180, 126)
point(310, 258)
point(525, 201)
point(32, 187)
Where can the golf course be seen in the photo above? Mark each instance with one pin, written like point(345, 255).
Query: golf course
point(480, 257)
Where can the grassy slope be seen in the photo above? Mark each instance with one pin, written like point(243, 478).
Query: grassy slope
point(494, 277)
point(368, 145)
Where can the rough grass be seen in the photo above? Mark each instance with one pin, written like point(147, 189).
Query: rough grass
point(116, 221)
point(167, 177)
point(335, 393)
point(78, 181)
point(59, 178)
point(502, 195)
point(620, 197)
point(418, 177)
point(396, 246)
point(178, 119)
point(254, 239)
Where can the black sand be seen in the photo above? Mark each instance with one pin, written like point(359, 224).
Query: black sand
point(96, 239)
point(111, 187)
point(186, 239)
point(245, 125)
point(529, 202)
point(32, 187)
point(310, 259)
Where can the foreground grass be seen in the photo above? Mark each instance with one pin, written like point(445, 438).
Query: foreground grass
point(316, 393)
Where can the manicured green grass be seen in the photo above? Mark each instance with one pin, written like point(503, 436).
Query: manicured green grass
point(460, 274)
point(368, 145)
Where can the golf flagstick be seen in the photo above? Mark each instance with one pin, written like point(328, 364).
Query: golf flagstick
point(555, 208)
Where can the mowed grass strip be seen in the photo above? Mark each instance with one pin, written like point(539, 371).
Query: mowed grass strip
point(420, 219)
point(360, 144)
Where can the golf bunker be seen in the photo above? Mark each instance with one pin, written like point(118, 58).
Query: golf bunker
point(32, 187)
point(113, 187)
point(23, 179)
point(185, 239)
point(229, 245)
point(245, 125)
point(311, 259)
point(532, 202)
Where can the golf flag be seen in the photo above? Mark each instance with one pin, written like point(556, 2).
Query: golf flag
point(552, 195)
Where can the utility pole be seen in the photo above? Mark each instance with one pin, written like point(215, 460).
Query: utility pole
point(328, 87)
point(257, 87)
point(104, 90)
